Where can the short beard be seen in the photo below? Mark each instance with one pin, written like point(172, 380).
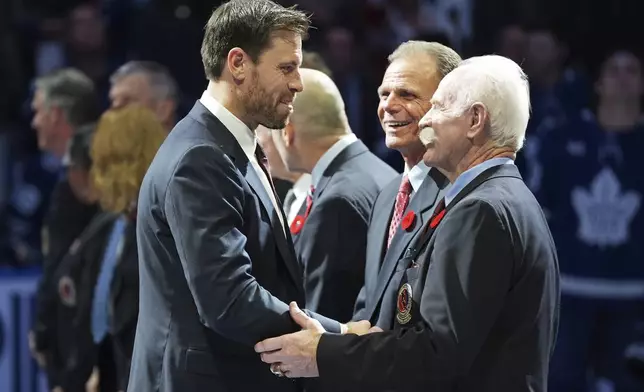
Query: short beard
point(260, 106)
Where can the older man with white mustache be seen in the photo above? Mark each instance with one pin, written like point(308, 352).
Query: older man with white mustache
point(477, 306)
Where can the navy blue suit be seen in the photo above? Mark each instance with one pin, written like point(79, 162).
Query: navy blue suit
point(217, 268)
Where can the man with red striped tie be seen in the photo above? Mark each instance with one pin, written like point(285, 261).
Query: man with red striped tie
point(414, 71)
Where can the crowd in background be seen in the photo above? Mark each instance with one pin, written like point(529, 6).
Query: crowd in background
point(582, 159)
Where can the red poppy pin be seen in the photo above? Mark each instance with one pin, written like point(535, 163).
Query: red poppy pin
point(437, 219)
point(408, 221)
point(296, 225)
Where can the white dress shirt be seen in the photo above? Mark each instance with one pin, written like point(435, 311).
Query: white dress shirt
point(247, 141)
point(298, 192)
point(417, 175)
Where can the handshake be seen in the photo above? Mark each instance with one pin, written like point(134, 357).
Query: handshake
point(294, 355)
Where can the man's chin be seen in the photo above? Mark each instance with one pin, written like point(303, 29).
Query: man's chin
point(429, 157)
point(275, 123)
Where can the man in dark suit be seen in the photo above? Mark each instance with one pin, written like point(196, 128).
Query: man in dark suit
point(415, 69)
point(64, 101)
point(330, 229)
point(477, 306)
point(216, 260)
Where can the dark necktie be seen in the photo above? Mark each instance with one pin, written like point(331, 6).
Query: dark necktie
point(402, 200)
point(263, 163)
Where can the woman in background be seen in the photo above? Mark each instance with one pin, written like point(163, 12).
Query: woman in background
point(125, 143)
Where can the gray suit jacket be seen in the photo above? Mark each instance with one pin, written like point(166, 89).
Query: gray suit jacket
point(381, 262)
point(333, 240)
point(484, 302)
point(216, 269)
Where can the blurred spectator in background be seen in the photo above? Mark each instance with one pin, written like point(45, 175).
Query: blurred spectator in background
point(64, 101)
point(591, 191)
point(149, 84)
point(71, 350)
point(556, 90)
point(125, 143)
point(512, 42)
point(356, 80)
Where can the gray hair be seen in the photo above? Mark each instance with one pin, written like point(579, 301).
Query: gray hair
point(72, 92)
point(446, 58)
point(502, 87)
point(161, 81)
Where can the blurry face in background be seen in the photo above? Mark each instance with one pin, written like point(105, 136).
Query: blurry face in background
point(45, 123)
point(86, 28)
point(405, 93)
point(621, 78)
point(513, 43)
point(274, 81)
point(340, 49)
point(544, 53)
point(136, 89)
point(132, 89)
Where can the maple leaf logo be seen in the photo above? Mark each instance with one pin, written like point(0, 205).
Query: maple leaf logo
point(604, 212)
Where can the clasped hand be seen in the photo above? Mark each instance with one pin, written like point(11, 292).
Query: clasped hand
point(294, 355)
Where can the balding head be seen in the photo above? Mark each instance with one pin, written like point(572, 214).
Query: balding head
point(318, 111)
point(317, 123)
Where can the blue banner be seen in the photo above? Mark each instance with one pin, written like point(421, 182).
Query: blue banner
point(18, 371)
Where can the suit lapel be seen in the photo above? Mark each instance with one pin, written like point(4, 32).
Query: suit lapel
point(278, 230)
point(223, 138)
point(421, 204)
point(345, 155)
point(381, 221)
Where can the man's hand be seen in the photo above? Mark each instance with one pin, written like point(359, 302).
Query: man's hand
point(357, 327)
point(294, 355)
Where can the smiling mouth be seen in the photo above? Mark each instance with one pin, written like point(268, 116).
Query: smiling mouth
point(397, 124)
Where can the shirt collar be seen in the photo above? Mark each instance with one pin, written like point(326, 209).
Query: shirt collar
point(470, 174)
point(302, 185)
point(328, 157)
point(417, 175)
point(244, 136)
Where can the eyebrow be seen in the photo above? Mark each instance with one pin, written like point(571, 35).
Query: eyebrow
point(293, 63)
point(409, 90)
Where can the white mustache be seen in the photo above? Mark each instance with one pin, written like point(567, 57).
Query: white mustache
point(427, 135)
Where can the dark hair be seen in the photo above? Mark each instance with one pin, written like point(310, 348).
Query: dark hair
point(247, 24)
point(78, 152)
point(160, 79)
point(71, 91)
point(608, 54)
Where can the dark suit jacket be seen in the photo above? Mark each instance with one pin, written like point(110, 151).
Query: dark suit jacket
point(66, 219)
point(485, 303)
point(74, 348)
point(76, 279)
point(333, 240)
point(216, 268)
point(381, 262)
